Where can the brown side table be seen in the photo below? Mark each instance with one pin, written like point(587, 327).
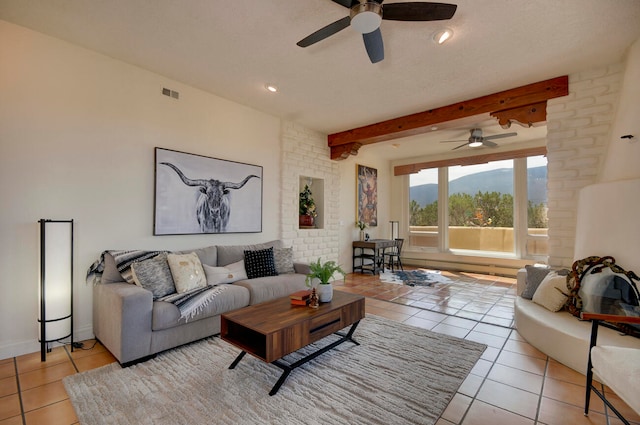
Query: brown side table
point(369, 255)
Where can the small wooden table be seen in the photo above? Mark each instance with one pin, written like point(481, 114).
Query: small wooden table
point(377, 247)
point(273, 329)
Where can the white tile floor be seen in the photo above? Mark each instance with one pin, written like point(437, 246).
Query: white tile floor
point(513, 383)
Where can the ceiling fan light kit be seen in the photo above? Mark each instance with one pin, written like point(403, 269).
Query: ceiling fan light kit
point(366, 17)
point(477, 140)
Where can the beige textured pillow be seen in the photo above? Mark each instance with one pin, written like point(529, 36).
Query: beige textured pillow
point(187, 271)
point(229, 274)
point(551, 292)
point(218, 275)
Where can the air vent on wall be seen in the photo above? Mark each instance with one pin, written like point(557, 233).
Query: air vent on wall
point(171, 93)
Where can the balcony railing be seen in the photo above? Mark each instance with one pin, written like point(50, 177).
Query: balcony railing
point(497, 239)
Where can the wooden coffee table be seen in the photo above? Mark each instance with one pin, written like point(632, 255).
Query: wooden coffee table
point(273, 329)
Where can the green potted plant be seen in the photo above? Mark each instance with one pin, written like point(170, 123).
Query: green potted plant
point(307, 207)
point(323, 272)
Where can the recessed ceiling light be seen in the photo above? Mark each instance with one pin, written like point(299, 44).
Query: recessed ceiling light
point(434, 128)
point(442, 36)
point(395, 145)
point(272, 88)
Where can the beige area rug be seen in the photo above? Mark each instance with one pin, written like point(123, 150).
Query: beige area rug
point(399, 374)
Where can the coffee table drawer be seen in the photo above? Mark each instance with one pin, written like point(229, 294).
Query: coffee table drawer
point(326, 324)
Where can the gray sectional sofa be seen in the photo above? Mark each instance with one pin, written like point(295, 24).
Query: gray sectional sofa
point(132, 326)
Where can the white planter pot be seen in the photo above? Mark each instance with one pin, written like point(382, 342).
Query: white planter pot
point(325, 292)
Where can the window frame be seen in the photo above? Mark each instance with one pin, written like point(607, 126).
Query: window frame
point(520, 225)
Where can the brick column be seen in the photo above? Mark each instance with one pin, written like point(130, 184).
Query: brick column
point(305, 153)
point(578, 131)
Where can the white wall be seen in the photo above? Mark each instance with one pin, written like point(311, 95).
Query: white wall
point(77, 138)
point(623, 157)
point(347, 224)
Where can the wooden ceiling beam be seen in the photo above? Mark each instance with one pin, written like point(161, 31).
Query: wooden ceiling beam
point(525, 105)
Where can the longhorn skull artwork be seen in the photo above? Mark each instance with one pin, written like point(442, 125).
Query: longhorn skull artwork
point(213, 207)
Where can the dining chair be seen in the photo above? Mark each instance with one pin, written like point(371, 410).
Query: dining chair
point(393, 256)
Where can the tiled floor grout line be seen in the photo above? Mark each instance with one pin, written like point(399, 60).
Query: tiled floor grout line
point(15, 367)
point(484, 379)
point(540, 396)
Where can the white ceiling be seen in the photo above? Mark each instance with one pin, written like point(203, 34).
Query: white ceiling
point(233, 48)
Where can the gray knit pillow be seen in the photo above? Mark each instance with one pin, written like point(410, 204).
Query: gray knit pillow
point(283, 258)
point(154, 275)
point(535, 275)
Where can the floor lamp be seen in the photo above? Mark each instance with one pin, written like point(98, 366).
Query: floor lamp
point(56, 283)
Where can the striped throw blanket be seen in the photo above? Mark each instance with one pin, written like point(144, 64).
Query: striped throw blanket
point(189, 303)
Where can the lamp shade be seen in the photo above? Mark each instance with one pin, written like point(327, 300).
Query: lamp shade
point(56, 282)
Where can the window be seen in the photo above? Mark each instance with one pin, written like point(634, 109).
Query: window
point(481, 207)
point(423, 207)
point(537, 208)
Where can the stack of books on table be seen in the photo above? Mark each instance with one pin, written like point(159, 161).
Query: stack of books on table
point(300, 297)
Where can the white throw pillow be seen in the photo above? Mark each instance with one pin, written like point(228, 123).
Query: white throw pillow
point(551, 292)
point(187, 271)
point(218, 275)
point(228, 274)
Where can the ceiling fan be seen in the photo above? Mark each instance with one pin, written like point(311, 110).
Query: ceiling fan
point(476, 139)
point(366, 16)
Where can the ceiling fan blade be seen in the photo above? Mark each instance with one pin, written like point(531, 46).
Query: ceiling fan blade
point(325, 32)
point(489, 144)
point(418, 11)
point(453, 141)
point(374, 45)
point(458, 147)
point(499, 136)
point(346, 3)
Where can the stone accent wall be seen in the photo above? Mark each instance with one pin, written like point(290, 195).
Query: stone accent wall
point(578, 131)
point(305, 153)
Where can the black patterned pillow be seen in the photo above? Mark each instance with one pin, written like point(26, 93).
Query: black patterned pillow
point(260, 263)
point(154, 275)
point(284, 260)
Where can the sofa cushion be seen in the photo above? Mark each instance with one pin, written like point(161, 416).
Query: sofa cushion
point(154, 275)
point(283, 258)
point(551, 294)
point(271, 287)
point(229, 274)
point(260, 263)
point(228, 254)
point(534, 278)
point(208, 255)
point(167, 315)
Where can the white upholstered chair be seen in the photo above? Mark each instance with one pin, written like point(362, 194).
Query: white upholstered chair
point(616, 367)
